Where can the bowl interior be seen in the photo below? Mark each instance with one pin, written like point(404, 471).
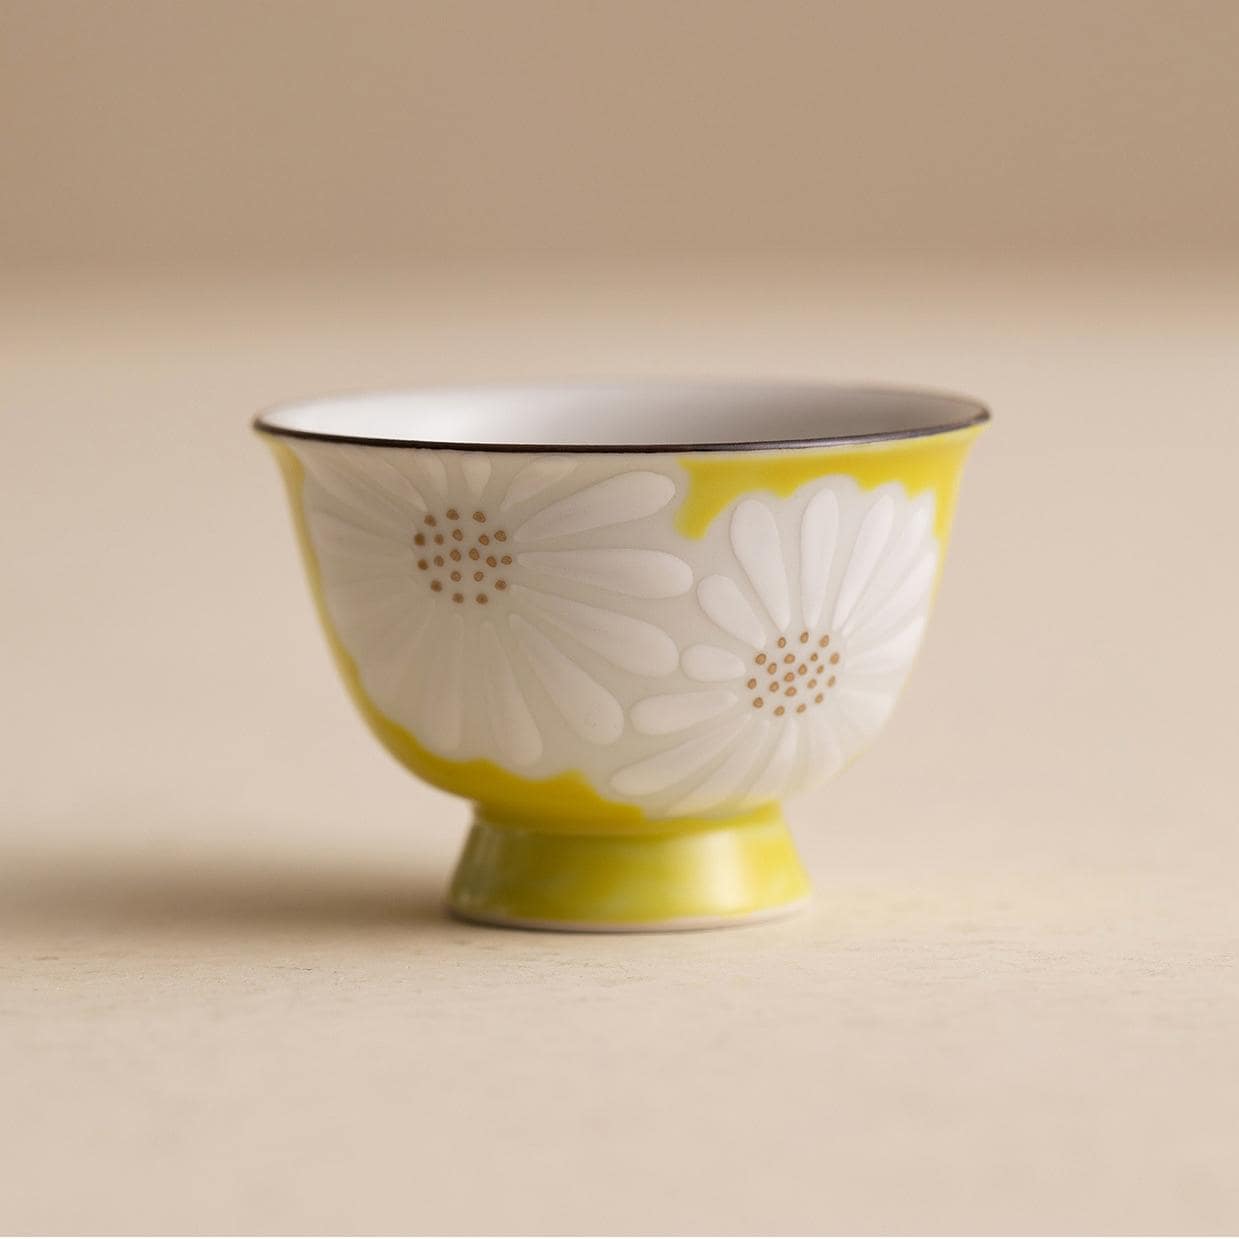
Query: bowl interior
point(626, 416)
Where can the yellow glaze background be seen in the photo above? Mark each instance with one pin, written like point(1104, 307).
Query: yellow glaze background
point(929, 463)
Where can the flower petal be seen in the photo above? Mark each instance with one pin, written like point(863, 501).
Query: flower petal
point(587, 707)
point(625, 497)
point(626, 570)
point(385, 648)
point(909, 596)
point(427, 471)
point(825, 752)
point(864, 710)
point(668, 712)
point(819, 532)
point(394, 668)
point(367, 608)
point(391, 480)
point(722, 601)
point(772, 780)
point(341, 491)
point(632, 644)
point(356, 601)
point(721, 783)
point(893, 654)
point(668, 767)
point(338, 537)
point(870, 541)
point(511, 723)
point(443, 693)
point(535, 477)
point(476, 470)
point(755, 540)
point(707, 664)
point(911, 541)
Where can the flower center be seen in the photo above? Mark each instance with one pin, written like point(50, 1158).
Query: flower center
point(795, 674)
point(461, 557)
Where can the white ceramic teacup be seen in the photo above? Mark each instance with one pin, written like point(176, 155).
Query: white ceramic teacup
point(625, 620)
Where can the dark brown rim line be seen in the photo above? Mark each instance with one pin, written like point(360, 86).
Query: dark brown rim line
point(979, 416)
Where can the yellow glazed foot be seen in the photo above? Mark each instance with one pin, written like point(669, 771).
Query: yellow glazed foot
point(731, 872)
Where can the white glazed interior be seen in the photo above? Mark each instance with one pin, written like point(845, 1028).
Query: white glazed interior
point(625, 415)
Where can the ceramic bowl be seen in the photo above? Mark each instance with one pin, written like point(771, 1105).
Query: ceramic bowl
point(625, 621)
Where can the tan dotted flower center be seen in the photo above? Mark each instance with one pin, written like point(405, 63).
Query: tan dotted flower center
point(461, 557)
point(795, 675)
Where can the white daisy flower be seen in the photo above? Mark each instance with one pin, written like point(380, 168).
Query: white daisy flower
point(818, 614)
point(472, 590)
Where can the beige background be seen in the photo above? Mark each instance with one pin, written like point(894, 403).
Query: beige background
point(388, 129)
point(229, 1001)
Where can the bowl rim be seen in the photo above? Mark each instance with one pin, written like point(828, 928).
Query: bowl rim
point(970, 414)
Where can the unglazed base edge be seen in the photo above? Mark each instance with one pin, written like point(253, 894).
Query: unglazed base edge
point(740, 872)
point(683, 924)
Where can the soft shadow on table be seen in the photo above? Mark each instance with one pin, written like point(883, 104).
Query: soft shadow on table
point(210, 892)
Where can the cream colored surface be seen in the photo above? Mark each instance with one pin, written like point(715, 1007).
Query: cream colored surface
point(229, 999)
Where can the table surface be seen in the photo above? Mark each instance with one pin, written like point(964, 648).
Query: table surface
point(229, 998)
